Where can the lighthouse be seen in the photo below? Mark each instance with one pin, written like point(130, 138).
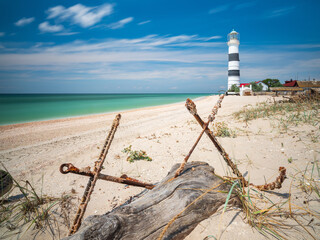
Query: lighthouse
point(233, 64)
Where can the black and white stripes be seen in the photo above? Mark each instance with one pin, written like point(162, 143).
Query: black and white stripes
point(233, 72)
point(233, 57)
point(233, 64)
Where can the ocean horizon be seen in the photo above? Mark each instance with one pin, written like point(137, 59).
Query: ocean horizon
point(22, 108)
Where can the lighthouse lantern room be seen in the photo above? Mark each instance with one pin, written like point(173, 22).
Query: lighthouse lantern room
point(233, 63)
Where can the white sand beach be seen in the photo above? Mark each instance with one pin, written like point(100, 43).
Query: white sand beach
point(34, 151)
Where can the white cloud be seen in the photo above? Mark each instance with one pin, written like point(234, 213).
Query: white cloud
point(144, 22)
point(120, 23)
point(150, 48)
point(213, 37)
point(2, 34)
point(280, 12)
point(148, 42)
point(66, 33)
point(80, 14)
point(46, 27)
point(219, 9)
point(302, 46)
point(56, 11)
point(24, 21)
point(154, 59)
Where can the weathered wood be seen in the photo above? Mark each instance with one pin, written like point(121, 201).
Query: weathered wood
point(6, 182)
point(148, 213)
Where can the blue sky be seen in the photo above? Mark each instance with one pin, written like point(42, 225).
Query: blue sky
point(149, 46)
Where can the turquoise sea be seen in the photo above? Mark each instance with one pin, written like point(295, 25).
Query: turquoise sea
point(19, 108)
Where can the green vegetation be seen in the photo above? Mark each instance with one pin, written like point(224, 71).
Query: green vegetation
point(220, 129)
point(256, 87)
point(136, 155)
point(272, 83)
point(234, 88)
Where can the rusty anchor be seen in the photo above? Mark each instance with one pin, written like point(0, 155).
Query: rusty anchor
point(95, 175)
point(191, 106)
point(124, 179)
point(192, 109)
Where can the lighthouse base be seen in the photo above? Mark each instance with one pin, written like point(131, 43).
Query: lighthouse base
point(232, 81)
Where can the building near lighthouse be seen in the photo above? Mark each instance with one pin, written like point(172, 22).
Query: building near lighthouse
point(233, 63)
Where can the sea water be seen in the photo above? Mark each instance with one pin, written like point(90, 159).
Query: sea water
point(20, 108)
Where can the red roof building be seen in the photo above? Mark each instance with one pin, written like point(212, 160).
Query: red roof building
point(291, 83)
point(244, 84)
point(248, 84)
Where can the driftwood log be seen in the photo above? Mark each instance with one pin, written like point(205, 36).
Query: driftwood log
point(189, 199)
point(6, 182)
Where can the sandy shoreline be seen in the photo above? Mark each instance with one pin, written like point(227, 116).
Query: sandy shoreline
point(34, 151)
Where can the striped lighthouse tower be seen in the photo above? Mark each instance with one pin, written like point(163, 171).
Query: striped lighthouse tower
point(233, 64)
